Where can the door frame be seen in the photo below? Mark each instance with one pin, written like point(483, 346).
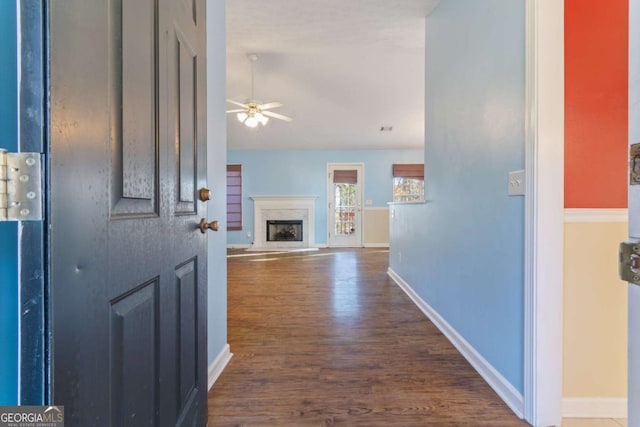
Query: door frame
point(544, 135)
point(544, 211)
point(9, 299)
point(360, 185)
point(34, 353)
point(632, 291)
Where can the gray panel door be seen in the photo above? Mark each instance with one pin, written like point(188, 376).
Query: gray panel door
point(128, 262)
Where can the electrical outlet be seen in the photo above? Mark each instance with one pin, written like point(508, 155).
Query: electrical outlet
point(248, 234)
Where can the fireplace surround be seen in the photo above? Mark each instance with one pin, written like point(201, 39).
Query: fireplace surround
point(284, 208)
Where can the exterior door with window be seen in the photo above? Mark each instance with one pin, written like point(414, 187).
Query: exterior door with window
point(345, 204)
point(128, 261)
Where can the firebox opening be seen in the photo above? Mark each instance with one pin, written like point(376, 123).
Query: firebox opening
point(284, 231)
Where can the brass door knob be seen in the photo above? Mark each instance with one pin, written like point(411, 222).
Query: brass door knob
point(204, 225)
point(204, 194)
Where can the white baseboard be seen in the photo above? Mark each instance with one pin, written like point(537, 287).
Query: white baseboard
point(376, 245)
point(507, 392)
point(217, 366)
point(594, 407)
point(243, 246)
point(596, 215)
point(238, 246)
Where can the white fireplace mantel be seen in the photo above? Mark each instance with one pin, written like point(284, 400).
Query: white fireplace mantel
point(283, 208)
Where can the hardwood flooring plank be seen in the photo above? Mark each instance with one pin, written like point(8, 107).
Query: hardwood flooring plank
point(326, 338)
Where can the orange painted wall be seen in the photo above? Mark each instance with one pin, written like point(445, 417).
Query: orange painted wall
point(596, 58)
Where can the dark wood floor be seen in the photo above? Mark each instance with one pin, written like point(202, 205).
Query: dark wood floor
point(326, 338)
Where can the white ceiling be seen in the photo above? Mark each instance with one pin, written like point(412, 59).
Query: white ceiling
point(342, 68)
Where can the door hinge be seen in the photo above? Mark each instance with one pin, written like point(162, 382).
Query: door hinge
point(629, 262)
point(20, 186)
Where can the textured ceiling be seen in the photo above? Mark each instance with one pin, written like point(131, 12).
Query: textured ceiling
point(343, 69)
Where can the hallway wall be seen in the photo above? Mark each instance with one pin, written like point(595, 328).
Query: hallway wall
point(596, 62)
point(595, 312)
point(595, 300)
point(462, 251)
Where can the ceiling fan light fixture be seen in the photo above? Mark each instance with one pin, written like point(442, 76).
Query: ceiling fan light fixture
point(251, 113)
point(251, 121)
point(262, 119)
point(242, 116)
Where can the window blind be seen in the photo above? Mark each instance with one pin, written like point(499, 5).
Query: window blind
point(345, 176)
point(234, 197)
point(412, 170)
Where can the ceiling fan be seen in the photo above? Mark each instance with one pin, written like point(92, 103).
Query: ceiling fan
point(252, 113)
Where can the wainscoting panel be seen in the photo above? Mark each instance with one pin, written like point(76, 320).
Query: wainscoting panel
point(594, 314)
point(376, 227)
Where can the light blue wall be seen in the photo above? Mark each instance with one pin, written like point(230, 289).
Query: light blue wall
point(462, 252)
point(304, 173)
point(8, 230)
point(216, 178)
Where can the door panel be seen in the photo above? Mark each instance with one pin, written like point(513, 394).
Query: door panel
point(186, 123)
point(187, 357)
point(134, 89)
point(134, 340)
point(136, 34)
point(128, 261)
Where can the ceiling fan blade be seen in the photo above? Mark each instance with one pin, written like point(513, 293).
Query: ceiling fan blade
point(271, 105)
point(237, 103)
point(277, 116)
point(237, 111)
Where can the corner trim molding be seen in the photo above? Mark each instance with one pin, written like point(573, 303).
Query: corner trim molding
point(596, 215)
point(544, 204)
point(594, 407)
point(217, 366)
point(498, 383)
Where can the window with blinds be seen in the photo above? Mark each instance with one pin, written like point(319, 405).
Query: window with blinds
point(408, 182)
point(234, 197)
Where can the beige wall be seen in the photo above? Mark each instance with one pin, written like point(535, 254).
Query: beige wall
point(595, 311)
point(376, 226)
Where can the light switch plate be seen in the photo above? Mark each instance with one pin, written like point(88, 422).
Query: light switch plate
point(516, 183)
point(368, 202)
